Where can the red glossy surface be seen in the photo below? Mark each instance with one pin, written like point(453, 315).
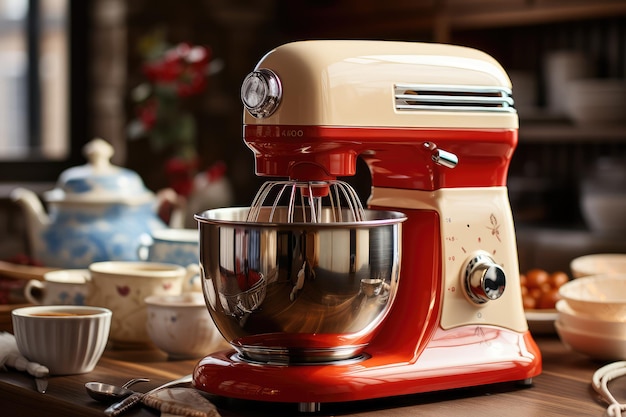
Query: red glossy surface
point(396, 157)
point(462, 357)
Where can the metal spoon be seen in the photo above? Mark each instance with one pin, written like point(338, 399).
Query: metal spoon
point(130, 401)
point(110, 393)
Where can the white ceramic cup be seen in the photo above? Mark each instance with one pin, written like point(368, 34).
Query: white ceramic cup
point(122, 286)
point(173, 246)
point(561, 67)
point(62, 287)
point(181, 326)
point(66, 339)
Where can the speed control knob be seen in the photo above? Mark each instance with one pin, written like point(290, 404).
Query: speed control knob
point(261, 93)
point(484, 279)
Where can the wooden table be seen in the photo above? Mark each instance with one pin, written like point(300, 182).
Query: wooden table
point(563, 389)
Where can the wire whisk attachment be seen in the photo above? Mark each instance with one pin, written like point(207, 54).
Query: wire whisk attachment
point(306, 202)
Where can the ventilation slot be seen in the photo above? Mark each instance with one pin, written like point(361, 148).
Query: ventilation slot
point(453, 98)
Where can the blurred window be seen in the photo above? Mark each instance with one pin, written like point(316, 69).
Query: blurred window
point(44, 56)
point(34, 79)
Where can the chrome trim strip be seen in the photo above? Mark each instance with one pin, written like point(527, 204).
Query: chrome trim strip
point(453, 98)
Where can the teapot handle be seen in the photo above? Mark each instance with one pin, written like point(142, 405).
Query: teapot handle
point(171, 207)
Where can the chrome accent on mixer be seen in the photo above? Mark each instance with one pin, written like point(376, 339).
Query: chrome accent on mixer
point(261, 92)
point(441, 157)
point(309, 407)
point(484, 279)
point(445, 158)
point(314, 292)
point(526, 382)
point(308, 357)
point(409, 97)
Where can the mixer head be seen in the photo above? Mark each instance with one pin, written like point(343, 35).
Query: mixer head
point(408, 109)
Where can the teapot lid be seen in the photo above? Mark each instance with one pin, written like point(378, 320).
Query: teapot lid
point(99, 181)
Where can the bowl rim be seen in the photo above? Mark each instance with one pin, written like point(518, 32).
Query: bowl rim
point(374, 218)
point(135, 269)
point(584, 266)
point(176, 235)
point(185, 299)
point(561, 328)
point(29, 311)
point(592, 278)
point(582, 316)
point(609, 255)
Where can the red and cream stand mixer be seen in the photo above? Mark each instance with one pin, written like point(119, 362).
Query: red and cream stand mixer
point(437, 128)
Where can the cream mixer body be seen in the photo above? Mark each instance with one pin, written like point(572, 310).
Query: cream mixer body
point(436, 127)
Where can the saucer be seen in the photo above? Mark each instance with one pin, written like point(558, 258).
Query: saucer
point(541, 322)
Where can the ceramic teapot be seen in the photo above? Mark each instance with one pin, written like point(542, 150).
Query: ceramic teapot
point(97, 212)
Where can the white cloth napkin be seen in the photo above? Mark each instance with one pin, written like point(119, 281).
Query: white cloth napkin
point(11, 356)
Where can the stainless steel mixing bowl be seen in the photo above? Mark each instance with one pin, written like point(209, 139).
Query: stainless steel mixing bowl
point(298, 291)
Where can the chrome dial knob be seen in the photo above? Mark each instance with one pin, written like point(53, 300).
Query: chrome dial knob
point(484, 279)
point(261, 92)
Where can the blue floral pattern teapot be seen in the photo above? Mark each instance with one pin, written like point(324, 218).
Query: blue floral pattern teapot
point(97, 212)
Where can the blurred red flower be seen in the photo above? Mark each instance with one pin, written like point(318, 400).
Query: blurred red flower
point(163, 112)
point(172, 74)
point(183, 66)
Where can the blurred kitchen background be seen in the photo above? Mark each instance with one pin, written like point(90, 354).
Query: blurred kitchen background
point(69, 70)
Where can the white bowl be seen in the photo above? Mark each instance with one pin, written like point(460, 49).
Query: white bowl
point(597, 346)
point(576, 321)
point(594, 101)
point(604, 212)
point(66, 339)
point(599, 264)
point(599, 296)
point(181, 326)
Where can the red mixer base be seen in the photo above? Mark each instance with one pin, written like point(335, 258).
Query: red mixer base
point(461, 357)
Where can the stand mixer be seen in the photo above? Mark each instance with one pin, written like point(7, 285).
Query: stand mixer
point(436, 126)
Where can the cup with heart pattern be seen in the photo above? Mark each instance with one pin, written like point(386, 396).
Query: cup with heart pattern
point(122, 286)
point(181, 326)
